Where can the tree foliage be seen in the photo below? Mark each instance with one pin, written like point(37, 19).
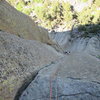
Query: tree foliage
point(49, 13)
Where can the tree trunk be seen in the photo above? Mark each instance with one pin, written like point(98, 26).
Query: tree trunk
point(15, 22)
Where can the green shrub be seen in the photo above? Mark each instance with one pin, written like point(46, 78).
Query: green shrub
point(67, 14)
point(38, 1)
point(48, 12)
point(97, 3)
point(66, 6)
point(84, 0)
point(27, 11)
point(89, 29)
point(20, 6)
point(81, 28)
point(85, 16)
point(52, 13)
point(96, 15)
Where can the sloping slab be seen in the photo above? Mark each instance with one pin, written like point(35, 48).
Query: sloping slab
point(74, 77)
point(20, 60)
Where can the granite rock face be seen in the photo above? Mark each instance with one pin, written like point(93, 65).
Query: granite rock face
point(77, 44)
point(20, 60)
point(73, 77)
point(15, 22)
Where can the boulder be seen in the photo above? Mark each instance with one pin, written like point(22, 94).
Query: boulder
point(73, 77)
point(20, 60)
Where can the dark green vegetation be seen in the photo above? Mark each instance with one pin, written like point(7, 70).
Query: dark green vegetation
point(52, 13)
point(89, 29)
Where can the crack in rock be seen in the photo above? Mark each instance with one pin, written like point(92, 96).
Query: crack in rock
point(26, 84)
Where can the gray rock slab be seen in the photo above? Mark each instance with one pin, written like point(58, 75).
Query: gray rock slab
point(20, 60)
point(77, 44)
point(73, 77)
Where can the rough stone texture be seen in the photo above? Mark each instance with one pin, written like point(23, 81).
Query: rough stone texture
point(93, 46)
point(19, 61)
point(74, 77)
point(77, 44)
point(88, 45)
point(62, 38)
